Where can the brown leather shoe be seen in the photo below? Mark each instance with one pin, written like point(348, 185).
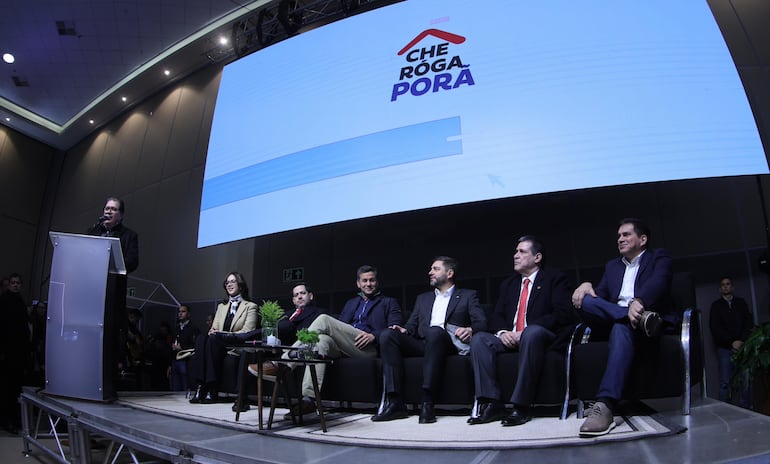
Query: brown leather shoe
point(268, 368)
point(304, 407)
point(599, 421)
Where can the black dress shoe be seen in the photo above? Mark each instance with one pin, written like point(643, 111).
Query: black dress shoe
point(517, 417)
point(651, 323)
point(244, 407)
point(391, 412)
point(482, 407)
point(427, 414)
point(211, 396)
point(490, 412)
point(198, 395)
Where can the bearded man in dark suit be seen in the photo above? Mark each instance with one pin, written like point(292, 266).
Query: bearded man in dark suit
point(442, 323)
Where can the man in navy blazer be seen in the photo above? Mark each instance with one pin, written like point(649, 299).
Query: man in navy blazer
point(441, 324)
point(354, 333)
point(631, 297)
point(546, 317)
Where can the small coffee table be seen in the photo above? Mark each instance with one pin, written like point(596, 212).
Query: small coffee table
point(280, 381)
point(264, 353)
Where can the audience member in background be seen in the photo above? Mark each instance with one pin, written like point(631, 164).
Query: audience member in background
point(4, 285)
point(731, 321)
point(628, 302)
point(209, 321)
point(14, 352)
point(533, 315)
point(304, 313)
point(183, 346)
point(442, 323)
point(353, 334)
point(235, 314)
point(38, 324)
point(132, 352)
point(158, 354)
point(134, 338)
point(165, 334)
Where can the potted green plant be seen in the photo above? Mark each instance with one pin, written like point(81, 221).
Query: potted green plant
point(752, 364)
point(308, 340)
point(270, 312)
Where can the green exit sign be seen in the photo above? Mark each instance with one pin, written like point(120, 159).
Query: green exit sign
point(294, 274)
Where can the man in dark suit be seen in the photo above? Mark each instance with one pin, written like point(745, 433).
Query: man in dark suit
point(305, 312)
point(15, 351)
point(730, 321)
point(353, 334)
point(629, 301)
point(184, 340)
point(533, 313)
point(441, 324)
point(110, 224)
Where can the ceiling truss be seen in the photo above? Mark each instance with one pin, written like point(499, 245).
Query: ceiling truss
point(281, 20)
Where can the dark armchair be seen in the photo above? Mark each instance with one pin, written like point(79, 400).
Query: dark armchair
point(669, 369)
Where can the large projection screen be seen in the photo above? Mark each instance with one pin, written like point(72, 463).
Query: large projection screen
point(428, 103)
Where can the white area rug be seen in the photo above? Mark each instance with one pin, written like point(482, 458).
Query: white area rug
point(449, 432)
point(175, 404)
point(452, 432)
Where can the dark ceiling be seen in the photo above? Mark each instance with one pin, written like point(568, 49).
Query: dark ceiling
point(77, 59)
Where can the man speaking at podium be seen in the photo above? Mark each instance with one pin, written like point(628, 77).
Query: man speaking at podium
point(110, 224)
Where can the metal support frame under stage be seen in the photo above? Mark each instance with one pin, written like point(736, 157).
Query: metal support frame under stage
point(45, 420)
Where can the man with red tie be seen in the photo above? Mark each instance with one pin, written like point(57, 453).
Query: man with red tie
point(305, 312)
point(533, 313)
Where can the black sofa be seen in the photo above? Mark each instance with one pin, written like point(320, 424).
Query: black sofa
point(359, 380)
point(574, 373)
point(667, 369)
point(671, 370)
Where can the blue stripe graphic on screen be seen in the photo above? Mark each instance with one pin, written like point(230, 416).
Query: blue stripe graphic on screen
point(402, 145)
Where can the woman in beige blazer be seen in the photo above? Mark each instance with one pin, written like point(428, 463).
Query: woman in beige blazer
point(235, 314)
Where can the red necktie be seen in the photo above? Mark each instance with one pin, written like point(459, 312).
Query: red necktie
point(296, 313)
point(522, 312)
